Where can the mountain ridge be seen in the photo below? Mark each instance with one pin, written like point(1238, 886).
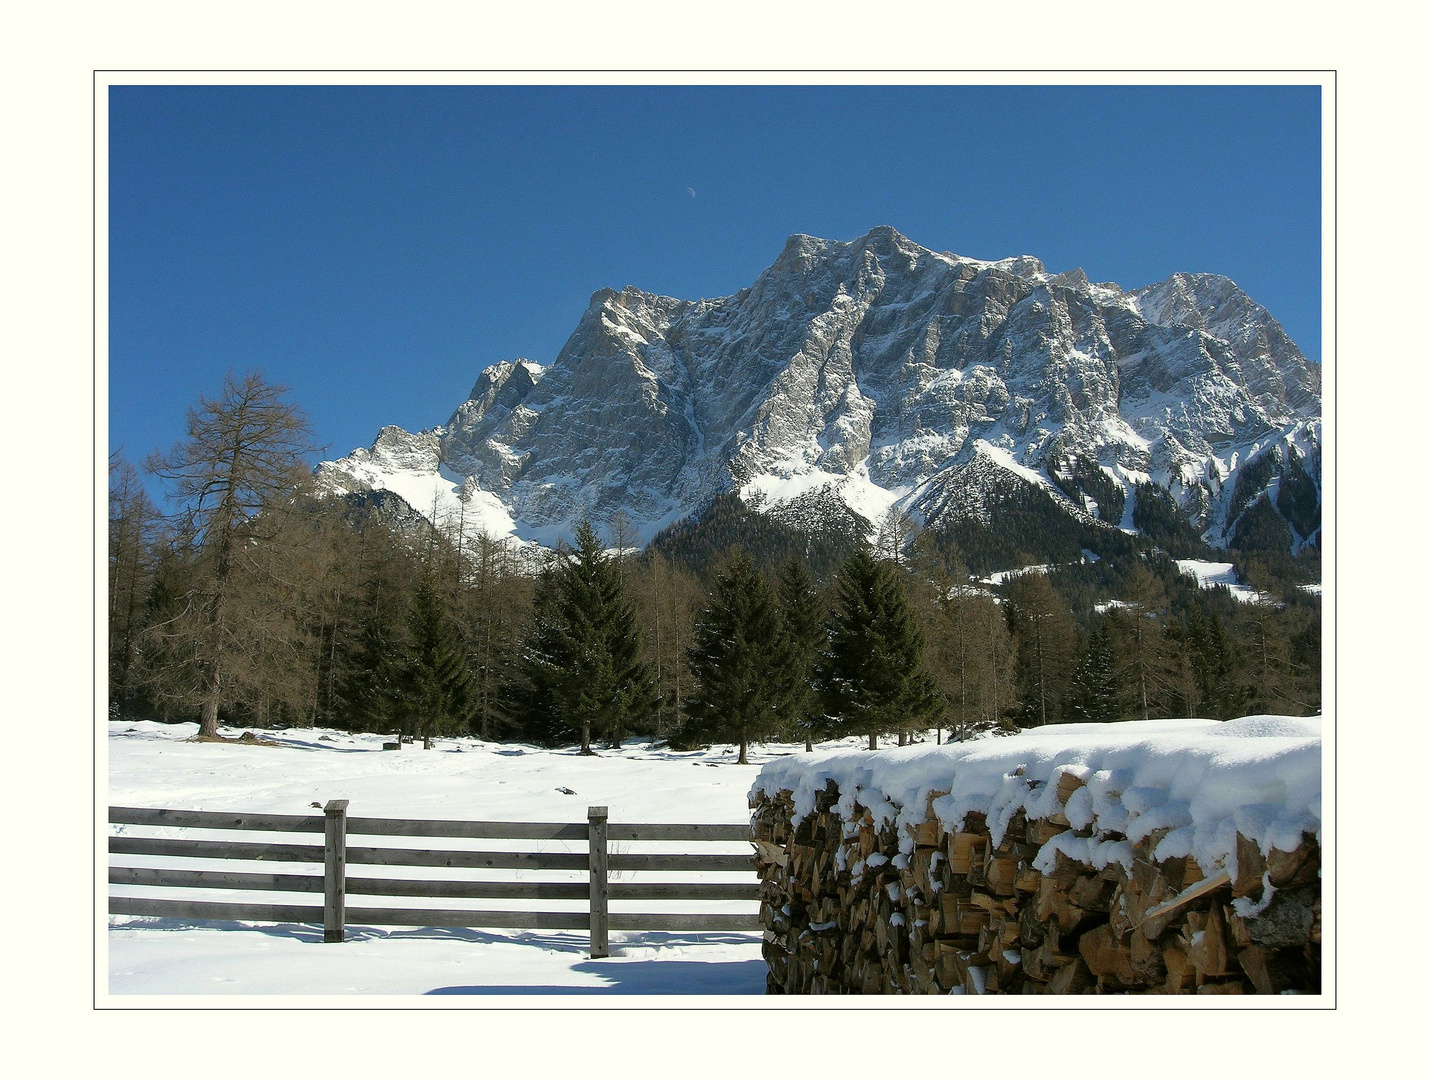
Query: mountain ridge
point(884, 375)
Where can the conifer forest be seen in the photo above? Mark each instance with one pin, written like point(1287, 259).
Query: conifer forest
point(252, 598)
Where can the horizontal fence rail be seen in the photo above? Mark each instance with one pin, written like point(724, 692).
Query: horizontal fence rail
point(335, 882)
point(208, 819)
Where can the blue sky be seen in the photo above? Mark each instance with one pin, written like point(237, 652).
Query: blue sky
point(374, 248)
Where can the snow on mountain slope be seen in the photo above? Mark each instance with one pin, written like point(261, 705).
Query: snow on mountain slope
point(881, 374)
point(1210, 575)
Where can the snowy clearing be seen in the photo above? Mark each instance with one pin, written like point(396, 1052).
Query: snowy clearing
point(1209, 575)
point(153, 765)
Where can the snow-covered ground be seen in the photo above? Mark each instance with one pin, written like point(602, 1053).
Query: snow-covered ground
point(154, 765)
point(998, 577)
point(1258, 775)
point(1211, 574)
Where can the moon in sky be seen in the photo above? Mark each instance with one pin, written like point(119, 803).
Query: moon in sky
point(692, 191)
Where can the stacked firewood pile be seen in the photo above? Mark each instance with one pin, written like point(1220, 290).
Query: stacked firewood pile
point(846, 912)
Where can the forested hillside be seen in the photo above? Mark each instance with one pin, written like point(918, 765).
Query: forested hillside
point(262, 602)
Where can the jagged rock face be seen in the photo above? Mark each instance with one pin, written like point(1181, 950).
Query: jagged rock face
point(395, 450)
point(887, 374)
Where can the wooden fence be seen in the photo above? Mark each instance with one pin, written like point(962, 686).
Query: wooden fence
point(336, 884)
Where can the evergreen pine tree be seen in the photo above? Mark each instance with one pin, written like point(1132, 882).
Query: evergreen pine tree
point(435, 685)
point(528, 697)
point(1176, 662)
point(1094, 685)
point(373, 664)
point(871, 673)
point(802, 633)
point(582, 666)
point(1211, 664)
point(737, 661)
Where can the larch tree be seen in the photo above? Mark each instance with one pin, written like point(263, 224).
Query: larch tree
point(1047, 641)
point(897, 531)
point(134, 524)
point(1139, 627)
point(242, 455)
point(966, 638)
point(493, 601)
point(668, 601)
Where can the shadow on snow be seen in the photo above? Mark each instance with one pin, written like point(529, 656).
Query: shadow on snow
point(646, 977)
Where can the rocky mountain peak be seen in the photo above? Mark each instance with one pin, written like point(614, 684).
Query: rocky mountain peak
point(880, 373)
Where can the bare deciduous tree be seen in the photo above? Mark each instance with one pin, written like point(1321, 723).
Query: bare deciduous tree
point(134, 523)
point(242, 455)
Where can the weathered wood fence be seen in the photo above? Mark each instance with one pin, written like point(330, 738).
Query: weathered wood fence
point(336, 884)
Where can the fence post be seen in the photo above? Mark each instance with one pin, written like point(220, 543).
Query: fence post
point(600, 893)
point(335, 867)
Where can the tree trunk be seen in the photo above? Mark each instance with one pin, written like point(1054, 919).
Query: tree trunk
point(208, 716)
point(1042, 680)
point(586, 737)
point(873, 740)
point(743, 759)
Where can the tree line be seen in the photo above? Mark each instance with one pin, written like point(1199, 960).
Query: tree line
point(261, 601)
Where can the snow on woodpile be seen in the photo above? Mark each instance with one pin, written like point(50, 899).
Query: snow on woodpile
point(1096, 853)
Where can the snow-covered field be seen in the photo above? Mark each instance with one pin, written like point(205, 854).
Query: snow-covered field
point(1260, 776)
point(154, 765)
point(1211, 574)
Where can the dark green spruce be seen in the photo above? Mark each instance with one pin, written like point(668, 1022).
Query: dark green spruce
point(871, 673)
point(737, 661)
point(435, 688)
point(582, 667)
point(802, 617)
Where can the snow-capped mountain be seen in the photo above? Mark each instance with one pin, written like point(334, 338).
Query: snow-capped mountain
point(873, 374)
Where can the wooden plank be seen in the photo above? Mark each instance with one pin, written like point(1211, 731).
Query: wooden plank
point(486, 890)
point(639, 890)
point(474, 830)
point(624, 832)
point(469, 860)
point(477, 830)
point(211, 819)
point(214, 879)
point(204, 909)
point(712, 923)
point(683, 862)
point(1187, 895)
point(214, 849)
point(600, 881)
point(503, 920)
point(335, 869)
